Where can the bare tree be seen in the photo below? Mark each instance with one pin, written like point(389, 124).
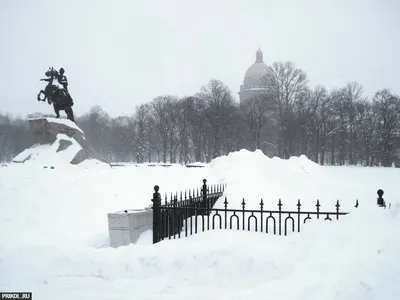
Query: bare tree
point(388, 109)
point(183, 108)
point(256, 111)
point(161, 121)
point(143, 131)
point(368, 127)
point(321, 111)
point(165, 113)
point(219, 99)
point(285, 82)
point(196, 109)
point(97, 127)
point(121, 139)
point(302, 124)
point(353, 93)
point(5, 125)
point(235, 135)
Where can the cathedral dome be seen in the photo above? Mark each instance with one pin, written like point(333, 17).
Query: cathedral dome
point(254, 82)
point(257, 70)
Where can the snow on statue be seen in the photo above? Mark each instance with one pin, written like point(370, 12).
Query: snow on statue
point(56, 93)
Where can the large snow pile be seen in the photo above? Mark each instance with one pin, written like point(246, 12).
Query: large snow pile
point(253, 175)
point(57, 142)
point(54, 238)
point(62, 151)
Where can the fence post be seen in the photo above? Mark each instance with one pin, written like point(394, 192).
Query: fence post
point(156, 214)
point(380, 201)
point(204, 194)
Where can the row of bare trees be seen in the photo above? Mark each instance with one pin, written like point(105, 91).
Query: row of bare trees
point(335, 127)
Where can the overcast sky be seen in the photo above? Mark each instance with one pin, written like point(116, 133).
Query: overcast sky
point(121, 53)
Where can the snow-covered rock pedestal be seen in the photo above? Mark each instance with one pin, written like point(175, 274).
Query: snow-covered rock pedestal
point(56, 141)
point(125, 227)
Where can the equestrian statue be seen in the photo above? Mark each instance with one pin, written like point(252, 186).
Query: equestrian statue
point(56, 93)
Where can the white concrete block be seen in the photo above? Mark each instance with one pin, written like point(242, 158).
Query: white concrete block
point(125, 227)
point(118, 220)
point(119, 237)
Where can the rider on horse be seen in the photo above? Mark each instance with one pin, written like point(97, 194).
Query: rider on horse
point(62, 79)
point(59, 97)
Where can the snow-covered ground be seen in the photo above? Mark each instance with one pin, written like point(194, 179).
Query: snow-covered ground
point(54, 238)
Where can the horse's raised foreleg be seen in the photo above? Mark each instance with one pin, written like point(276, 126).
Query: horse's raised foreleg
point(40, 93)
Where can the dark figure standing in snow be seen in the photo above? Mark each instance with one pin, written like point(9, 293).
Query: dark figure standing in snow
point(62, 79)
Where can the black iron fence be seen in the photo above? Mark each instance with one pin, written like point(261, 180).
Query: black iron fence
point(169, 217)
point(193, 211)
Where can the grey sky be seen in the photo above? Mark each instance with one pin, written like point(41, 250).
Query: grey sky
point(121, 53)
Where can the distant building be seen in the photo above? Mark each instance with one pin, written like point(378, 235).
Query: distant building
point(253, 83)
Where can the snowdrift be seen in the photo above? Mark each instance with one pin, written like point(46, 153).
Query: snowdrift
point(57, 142)
point(63, 149)
point(253, 175)
point(54, 238)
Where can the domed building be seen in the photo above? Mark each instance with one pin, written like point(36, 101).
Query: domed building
point(254, 79)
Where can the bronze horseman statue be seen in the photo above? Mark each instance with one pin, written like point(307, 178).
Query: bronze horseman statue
point(56, 93)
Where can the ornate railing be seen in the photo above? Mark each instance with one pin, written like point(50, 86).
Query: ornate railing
point(168, 217)
point(193, 211)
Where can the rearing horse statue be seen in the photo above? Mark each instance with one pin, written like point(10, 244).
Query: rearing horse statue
point(56, 95)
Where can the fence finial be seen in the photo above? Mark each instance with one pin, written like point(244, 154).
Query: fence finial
point(380, 201)
point(156, 213)
point(204, 193)
point(298, 205)
point(243, 205)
